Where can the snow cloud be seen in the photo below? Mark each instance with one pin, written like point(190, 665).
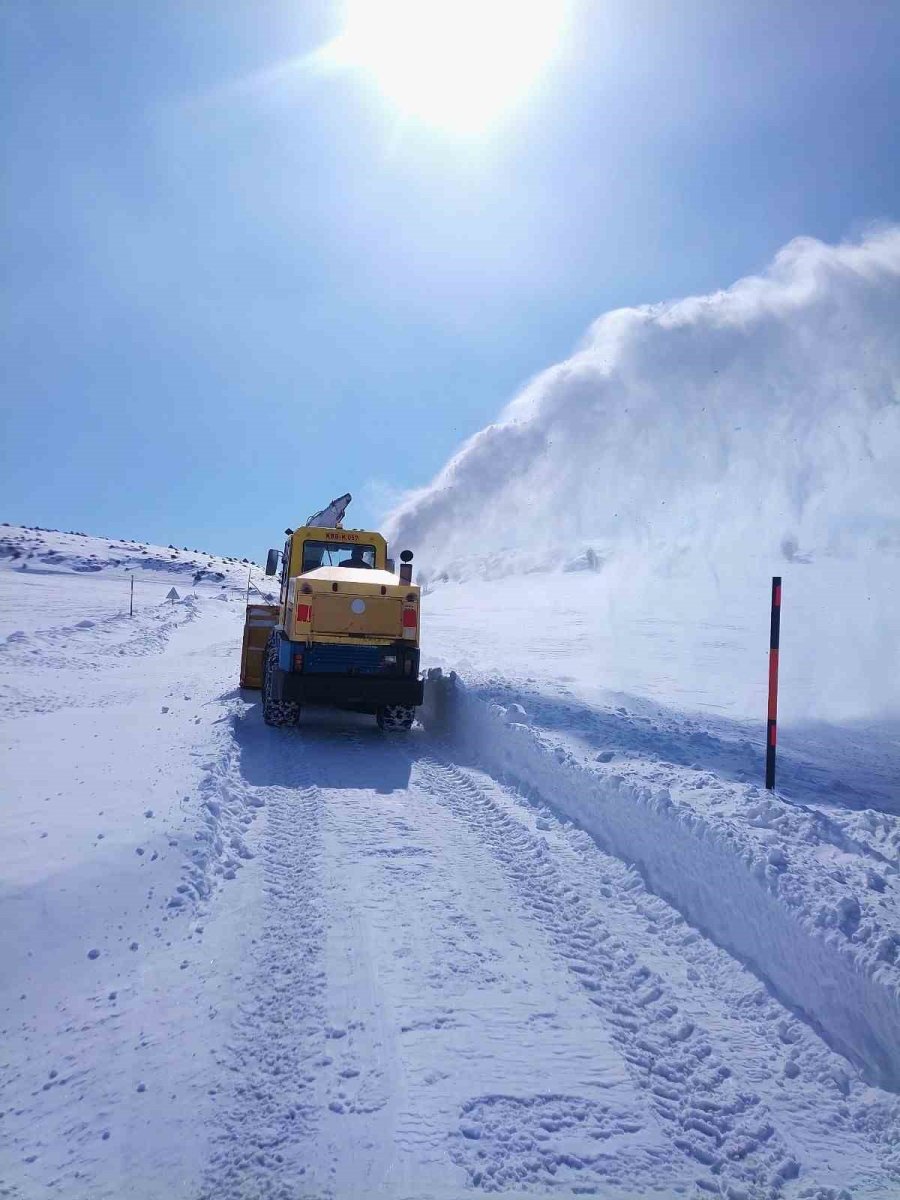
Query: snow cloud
point(768, 412)
point(748, 432)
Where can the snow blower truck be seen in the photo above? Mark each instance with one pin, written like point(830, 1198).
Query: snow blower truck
point(345, 631)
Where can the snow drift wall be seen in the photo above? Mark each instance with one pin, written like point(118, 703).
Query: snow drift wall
point(724, 437)
point(819, 946)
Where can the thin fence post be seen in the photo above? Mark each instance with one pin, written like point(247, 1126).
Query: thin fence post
point(131, 599)
point(772, 722)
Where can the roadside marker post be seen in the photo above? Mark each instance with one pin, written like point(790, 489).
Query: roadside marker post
point(131, 599)
point(772, 722)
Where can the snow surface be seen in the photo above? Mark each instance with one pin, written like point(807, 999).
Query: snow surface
point(555, 942)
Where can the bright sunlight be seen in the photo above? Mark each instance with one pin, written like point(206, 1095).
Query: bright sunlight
point(458, 64)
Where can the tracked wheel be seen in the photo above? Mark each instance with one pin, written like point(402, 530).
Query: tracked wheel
point(275, 712)
point(395, 717)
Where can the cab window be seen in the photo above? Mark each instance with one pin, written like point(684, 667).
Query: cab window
point(336, 554)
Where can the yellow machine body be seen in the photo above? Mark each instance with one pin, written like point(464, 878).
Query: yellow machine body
point(345, 629)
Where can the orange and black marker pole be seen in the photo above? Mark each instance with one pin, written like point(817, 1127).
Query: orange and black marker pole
point(772, 725)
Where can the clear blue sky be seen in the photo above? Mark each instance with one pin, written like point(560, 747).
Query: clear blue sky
point(235, 288)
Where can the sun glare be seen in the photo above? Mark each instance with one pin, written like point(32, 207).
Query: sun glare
point(454, 63)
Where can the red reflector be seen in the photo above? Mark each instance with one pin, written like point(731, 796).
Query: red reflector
point(304, 613)
point(409, 618)
point(298, 662)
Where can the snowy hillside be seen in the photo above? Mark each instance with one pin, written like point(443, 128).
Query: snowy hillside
point(555, 942)
point(52, 552)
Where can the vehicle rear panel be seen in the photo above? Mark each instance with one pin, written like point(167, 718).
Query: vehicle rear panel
point(356, 615)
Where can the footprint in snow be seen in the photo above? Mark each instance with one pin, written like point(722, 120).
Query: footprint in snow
point(558, 1141)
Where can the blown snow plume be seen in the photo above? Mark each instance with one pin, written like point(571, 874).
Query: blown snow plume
point(769, 411)
point(716, 438)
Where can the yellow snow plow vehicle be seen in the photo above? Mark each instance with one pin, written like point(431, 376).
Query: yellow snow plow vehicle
point(345, 630)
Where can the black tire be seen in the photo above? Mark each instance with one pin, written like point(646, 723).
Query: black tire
point(275, 712)
point(395, 717)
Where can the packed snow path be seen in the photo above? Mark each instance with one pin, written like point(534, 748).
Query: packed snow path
point(478, 985)
point(242, 962)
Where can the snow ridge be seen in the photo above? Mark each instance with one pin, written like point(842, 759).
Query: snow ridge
point(812, 942)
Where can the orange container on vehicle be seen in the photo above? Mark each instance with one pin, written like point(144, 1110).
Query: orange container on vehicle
point(261, 620)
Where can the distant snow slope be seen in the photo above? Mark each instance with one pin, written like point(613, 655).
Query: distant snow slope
point(690, 450)
point(52, 551)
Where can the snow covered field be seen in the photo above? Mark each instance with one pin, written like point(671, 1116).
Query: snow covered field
point(558, 940)
point(555, 942)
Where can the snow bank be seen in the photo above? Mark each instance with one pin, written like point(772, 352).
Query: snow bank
point(749, 871)
point(688, 450)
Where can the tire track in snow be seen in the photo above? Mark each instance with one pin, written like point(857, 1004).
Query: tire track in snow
point(719, 1124)
point(267, 1119)
point(452, 918)
point(269, 1146)
point(727, 1131)
point(814, 1095)
point(751, 877)
point(361, 1130)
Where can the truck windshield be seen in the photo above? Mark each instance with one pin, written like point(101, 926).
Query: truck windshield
point(336, 554)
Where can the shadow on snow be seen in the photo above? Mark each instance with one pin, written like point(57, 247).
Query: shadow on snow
point(329, 748)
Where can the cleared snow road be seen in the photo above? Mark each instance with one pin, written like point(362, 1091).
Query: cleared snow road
point(451, 989)
point(406, 1009)
point(331, 964)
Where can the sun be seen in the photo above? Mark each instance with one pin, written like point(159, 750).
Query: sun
point(457, 64)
